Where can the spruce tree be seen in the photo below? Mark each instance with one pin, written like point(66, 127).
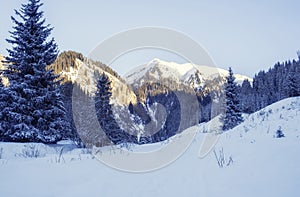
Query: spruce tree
point(104, 111)
point(233, 114)
point(292, 84)
point(3, 104)
point(246, 97)
point(35, 111)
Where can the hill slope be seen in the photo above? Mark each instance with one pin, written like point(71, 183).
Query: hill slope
point(260, 165)
point(75, 68)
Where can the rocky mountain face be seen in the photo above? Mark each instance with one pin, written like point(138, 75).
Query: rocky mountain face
point(74, 68)
point(78, 75)
point(1, 59)
point(179, 76)
point(161, 113)
point(206, 83)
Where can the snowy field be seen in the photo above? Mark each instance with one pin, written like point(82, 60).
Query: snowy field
point(255, 163)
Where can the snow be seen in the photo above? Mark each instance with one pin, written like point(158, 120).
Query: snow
point(84, 75)
point(180, 72)
point(262, 165)
point(72, 74)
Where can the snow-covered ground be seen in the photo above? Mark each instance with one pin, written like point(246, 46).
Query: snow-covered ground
point(255, 164)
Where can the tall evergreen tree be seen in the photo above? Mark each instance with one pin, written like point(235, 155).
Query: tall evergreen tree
point(292, 84)
point(246, 97)
point(104, 111)
point(233, 114)
point(35, 110)
point(3, 103)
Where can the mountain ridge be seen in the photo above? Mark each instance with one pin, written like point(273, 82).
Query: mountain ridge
point(179, 71)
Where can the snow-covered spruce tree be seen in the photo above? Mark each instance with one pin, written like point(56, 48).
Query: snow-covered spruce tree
point(233, 114)
point(4, 98)
point(279, 133)
point(105, 114)
point(246, 96)
point(35, 112)
point(292, 84)
point(2, 104)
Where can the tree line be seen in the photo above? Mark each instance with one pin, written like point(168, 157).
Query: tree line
point(279, 82)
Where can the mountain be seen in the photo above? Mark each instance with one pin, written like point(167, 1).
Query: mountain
point(207, 83)
point(188, 95)
point(194, 75)
point(78, 75)
point(75, 68)
point(1, 64)
point(1, 59)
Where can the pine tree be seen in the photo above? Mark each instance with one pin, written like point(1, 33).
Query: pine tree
point(233, 114)
point(104, 111)
point(35, 111)
point(246, 97)
point(3, 103)
point(279, 133)
point(292, 84)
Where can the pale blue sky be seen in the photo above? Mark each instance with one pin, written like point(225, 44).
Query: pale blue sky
point(247, 35)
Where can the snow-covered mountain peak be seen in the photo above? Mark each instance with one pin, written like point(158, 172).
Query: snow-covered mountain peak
point(180, 68)
point(158, 69)
point(154, 61)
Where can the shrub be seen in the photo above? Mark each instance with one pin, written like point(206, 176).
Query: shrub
point(279, 133)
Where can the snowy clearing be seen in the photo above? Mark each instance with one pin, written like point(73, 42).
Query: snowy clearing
point(255, 163)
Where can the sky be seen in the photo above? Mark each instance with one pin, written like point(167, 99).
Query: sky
point(247, 35)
